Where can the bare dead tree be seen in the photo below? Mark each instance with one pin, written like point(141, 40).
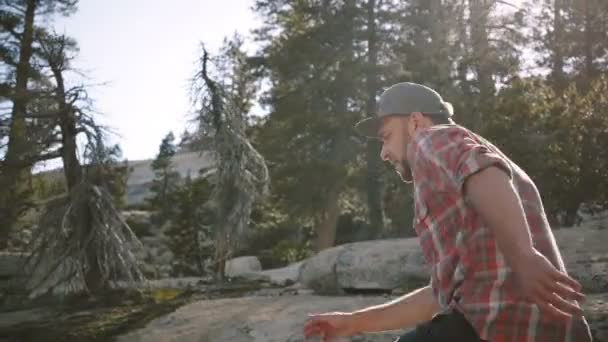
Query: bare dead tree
point(82, 233)
point(241, 176)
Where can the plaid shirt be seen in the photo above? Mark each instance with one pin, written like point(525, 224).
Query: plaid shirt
point(469, 273)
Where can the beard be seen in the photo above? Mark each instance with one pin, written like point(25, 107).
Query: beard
point(403, 170)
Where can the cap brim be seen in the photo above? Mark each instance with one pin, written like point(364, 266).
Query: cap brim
point(368, 127)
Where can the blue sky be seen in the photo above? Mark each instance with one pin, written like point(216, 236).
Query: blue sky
point(145, 52)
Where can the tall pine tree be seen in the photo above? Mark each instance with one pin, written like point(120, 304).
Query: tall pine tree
point(166, 180)
point(19, 19)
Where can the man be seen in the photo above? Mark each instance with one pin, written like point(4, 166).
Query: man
point(496, 272)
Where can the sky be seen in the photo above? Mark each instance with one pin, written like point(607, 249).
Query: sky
point(138, 55)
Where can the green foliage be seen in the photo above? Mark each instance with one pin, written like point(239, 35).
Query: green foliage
point(288, 251)
point(399, 207)
point(317, 60)
point(46, 186)
point(107, 170)
point(165, 182)
point(307, 137)
point(470, 52)
point(190, 229)
point(581, 120)
point(24, 139)
point(558, 140)
point(268, 227)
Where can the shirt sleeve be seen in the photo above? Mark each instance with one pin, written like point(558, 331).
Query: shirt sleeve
point(448, 156)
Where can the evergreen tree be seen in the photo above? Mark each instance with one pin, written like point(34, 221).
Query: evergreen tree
point(549, 40)
point(314, 104)
point(165, 179)
point(191, 234)
point(589, 40)
point(18, 19)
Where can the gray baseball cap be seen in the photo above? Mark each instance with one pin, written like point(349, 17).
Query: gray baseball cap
point(403, 99)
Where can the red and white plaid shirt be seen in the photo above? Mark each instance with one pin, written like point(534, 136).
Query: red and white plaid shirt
point(469, 272)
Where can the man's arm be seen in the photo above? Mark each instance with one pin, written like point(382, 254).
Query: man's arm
point(404, 312)
point(502, 211)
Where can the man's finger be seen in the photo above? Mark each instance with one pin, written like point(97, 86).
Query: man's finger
point(565, 306)
point(566, 292)
point(313, 328)
point(316, 330)
point(550, 301)
point(546, 307)
point(565, 279)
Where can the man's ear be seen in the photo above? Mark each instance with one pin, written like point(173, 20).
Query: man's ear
point(412, 123)
point(415, 121)
point(416, 117)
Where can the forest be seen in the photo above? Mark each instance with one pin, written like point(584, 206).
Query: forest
point(530, 76)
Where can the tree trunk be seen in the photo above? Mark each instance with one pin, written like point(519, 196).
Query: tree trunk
point(164, 203)
point(221, 253)
point(571, 216)
point(462, 67)
point(72, 169)
point(374, 164)
point(13, 174)
point(557, 72)
point(480, 46)
point(439, 44)
point(589, 71)
point(327, 222)
point(71, 165)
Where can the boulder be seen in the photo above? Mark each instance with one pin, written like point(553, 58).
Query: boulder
point(319, 271)
point(283, 276)
point(381, 265)
point(395, 263)
point(371, 265)
point(242, 265)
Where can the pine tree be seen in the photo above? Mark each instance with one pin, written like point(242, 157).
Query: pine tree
point(314, 104)
point(374, 165)
point(589, 40)
point(18, 19)
point(550, 40)
point(191, 232)
point(165, 180)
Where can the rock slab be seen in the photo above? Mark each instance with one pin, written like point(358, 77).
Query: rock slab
point(250, 319)
point(242, 265)
point(370, 265)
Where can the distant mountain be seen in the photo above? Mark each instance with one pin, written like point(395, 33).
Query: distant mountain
point(141, 173)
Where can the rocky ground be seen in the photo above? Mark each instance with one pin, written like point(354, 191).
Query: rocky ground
point(281, 318)
point(247, 312)
point(273, 305)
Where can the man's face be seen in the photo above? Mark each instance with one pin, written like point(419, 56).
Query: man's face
point(394, 135)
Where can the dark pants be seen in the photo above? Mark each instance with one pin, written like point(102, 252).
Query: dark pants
point(449, 326)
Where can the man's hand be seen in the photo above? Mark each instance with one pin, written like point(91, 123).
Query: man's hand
point(546, 286)
point(330, 325)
